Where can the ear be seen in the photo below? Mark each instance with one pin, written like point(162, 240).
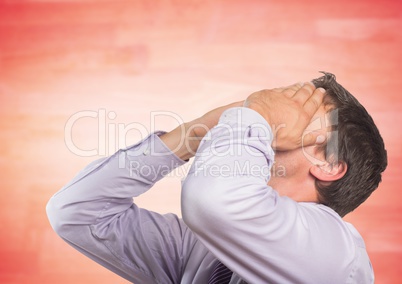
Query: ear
point(329, 172)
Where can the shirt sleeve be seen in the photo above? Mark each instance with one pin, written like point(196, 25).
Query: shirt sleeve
point(95, 214)
point(261, 236)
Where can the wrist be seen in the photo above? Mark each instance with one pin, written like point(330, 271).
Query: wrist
point(182, 141)
point(260, 110)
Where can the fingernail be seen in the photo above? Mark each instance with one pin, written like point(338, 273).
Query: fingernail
point(320, 139)
point(322, 90)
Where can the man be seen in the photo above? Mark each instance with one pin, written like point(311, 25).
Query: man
point(238, 213)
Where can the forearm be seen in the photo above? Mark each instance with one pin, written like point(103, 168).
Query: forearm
point(182, 141)
point(229, 174)
point(226, 200)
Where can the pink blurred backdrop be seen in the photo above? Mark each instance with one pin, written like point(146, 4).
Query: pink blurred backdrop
point(121, 60)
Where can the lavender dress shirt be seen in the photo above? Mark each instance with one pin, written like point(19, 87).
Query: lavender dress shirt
point(229, 213)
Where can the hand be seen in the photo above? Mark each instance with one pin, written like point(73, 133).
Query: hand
point(289, 111)
point(185, 139)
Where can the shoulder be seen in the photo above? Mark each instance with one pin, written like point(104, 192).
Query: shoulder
point(338, 242)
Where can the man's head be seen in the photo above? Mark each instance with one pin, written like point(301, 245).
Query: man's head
point(347, 168)
point(358, 144)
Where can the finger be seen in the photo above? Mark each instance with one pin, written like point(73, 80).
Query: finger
point(314, 102)
point(313, 138)
point(290, 90)
point(304, 93)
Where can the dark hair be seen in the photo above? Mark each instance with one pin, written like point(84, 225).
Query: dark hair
point(354, 140)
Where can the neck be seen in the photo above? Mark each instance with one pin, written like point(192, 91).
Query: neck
point(300, 189)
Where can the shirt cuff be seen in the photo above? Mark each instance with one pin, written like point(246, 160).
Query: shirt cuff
point(249, 127)
point(245, 116)
point(151, 158)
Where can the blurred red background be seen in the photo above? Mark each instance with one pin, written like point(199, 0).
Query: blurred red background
point(121, 60)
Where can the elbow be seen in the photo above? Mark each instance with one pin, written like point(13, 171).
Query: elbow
point(190, 209)
point(56, 215)
point(192, 206)
point(194, 216)
point(200, 205)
